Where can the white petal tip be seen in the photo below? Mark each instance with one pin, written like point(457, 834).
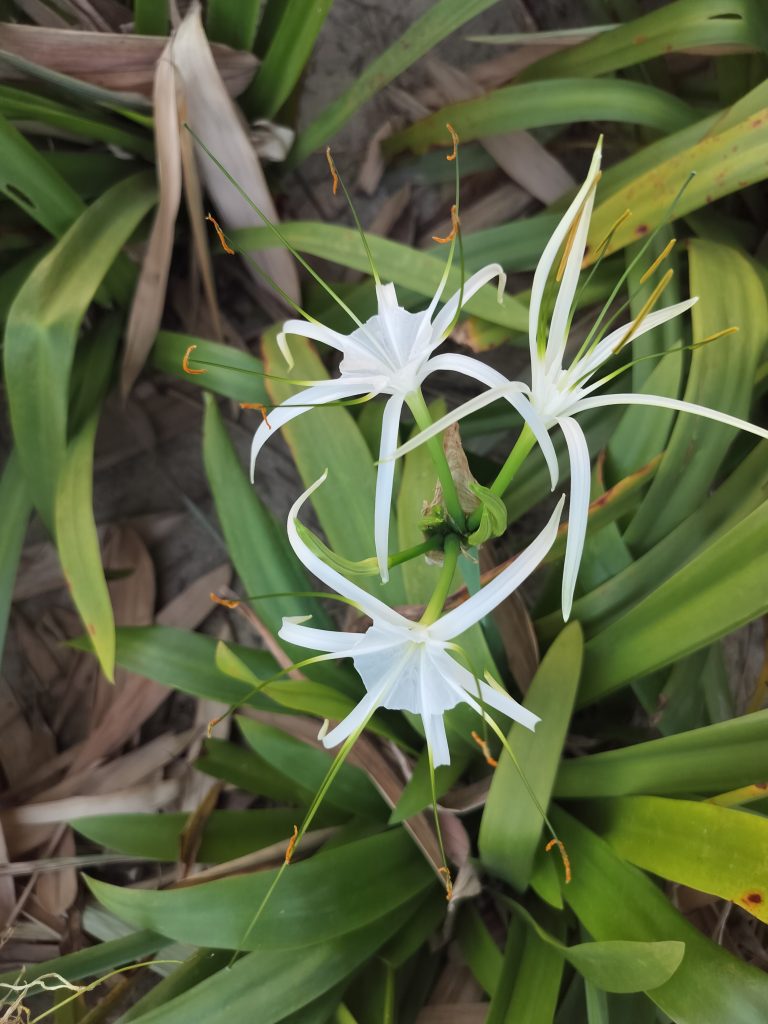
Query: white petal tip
point(282, 344)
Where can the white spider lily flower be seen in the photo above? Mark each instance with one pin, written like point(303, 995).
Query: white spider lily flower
point(406, 665)
point(391, 354)
point(558, 394)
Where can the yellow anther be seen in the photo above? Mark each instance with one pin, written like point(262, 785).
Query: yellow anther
point(334, 172)
point(224, 244)
point(563, 854)
point(447, 881)
point(454, 228)
point(223, 601)
point(484, 747)
point(257, 405)
point(647, 307)
point(659, 259)
point(292, 844)
point(455, 140)
point(719, 334)
point(185, 362)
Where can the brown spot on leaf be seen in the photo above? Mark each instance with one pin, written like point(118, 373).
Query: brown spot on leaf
point(641, 229)
point(91, 628)
point(752, 898)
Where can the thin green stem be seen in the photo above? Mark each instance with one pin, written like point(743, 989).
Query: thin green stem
point(515, 459)
point(418, 407)
point(443, 585)
point(413, 552)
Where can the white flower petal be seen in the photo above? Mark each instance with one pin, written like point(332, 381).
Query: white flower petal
point(307, 329)
point(603, 351)
point(359, 714)
point(578, 508)
point(445, 317)
point(488, 597)
point(551, 250)
point(332, 641)
point(492, 378)
point(385, 475)
point(371, 605)
point(473, 405)
point(437, 741)
point(561, 314)
point(599, 401)
point(508, 706)
point(319, 394)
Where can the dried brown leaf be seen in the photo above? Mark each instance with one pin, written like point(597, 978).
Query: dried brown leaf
point(495, 207)
point(217, 122)
point(518, 154)
point(56, 891)
point(7, 891)
point(123, 62)
point(193, 605)
point(372, 168)
point(148, 797)
point(516, 630)
point(192, 834)
point(149, 297)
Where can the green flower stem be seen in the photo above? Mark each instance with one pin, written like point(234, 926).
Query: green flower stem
point(418, 407)
point(515, 459)
point(409, 553)
point(443, 586)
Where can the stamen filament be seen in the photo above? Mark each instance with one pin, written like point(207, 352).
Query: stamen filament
point(483, 744)
point(338, 180)
point(261, 408)
point(659, 259)
point(647, 307)
point(224, 243)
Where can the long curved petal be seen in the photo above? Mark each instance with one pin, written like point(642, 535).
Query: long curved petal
point(603, 351)
point(561, 314)
point(492, 378)
point(551, 250)
point(488, 597)
point(371, 605)
point(473, 405)
point(508, 706)
point(307, 329)
point(578, 508)
point(329, 640)
point(319, 394)
point(385, 475)
point(359, 714)
point(445, 317)
point(598, 401)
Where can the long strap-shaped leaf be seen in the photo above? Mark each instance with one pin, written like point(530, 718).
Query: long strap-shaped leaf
point(43, 325)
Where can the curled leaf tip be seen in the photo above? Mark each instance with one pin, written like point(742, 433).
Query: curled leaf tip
point(224, 243)
point(564, 856)
point(261, 408)
point(483, 744)
point(332, 168)
point(185, 362)
point(292, 844)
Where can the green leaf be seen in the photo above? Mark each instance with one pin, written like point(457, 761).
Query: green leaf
point(410, 268)
point(614, 900)
point(227, 834)
point(710, 848)
point(720, 589)
point(720, 377)
point(197, 968)
point(352, 791)
point(328, 438)
point(42, 328)
point(78, 546)
point(28, 180)
point(14, 515)
point(369, 878)
point(511, 826)
point(150, 18)
point(682, 25)
point(540, 104)
point(615, 965)
point(537, 983)
point(282, 982)
point(95, 960)
point(493, 518)
point(288, 53)
point(229, 371)
point(709, 760)
point(233, 22)
point(725, 160)
point(442, 18)
point(256, 543)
